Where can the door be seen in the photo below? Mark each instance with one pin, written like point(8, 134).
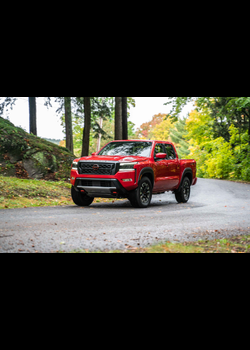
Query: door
point(173, 168)
point(160, 169)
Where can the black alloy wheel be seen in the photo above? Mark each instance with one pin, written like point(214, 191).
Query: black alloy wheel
point(186, 189)
point(145, 193)
point(141, 197)
point(183, 193)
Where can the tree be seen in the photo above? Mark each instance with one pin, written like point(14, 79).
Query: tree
point(124, 118)
point(146, 129)
point(161, 130)
point(68, 124)
point(131, 130)
point(32, 115)
point(87, 124)
point(118, 118)
point(102, 119)
point(10, 101)
point(225, 111)
point(178, 133)
point(242, 106)
point(65, 105)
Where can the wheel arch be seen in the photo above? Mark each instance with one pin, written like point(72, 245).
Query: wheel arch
point(149, 173)
point(187, 173)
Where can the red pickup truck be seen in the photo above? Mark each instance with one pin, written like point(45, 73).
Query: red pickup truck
point(133, 169)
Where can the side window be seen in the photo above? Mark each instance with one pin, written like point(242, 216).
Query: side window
point(170, 151)
point(159, 148)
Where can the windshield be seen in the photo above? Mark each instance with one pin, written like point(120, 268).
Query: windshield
point(131, 148)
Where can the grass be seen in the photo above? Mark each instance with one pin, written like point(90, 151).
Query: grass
point(24, 193)
point(236, 244)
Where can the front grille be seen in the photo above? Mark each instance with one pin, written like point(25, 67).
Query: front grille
point(104, 168)
point(94, 183)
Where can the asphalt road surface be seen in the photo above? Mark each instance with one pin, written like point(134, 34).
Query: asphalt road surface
point(216, 209)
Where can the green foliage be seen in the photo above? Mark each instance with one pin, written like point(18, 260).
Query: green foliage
point(177, 105)
point(219, 159)
point(216, 157)
point(178, 133)
point(131, 130)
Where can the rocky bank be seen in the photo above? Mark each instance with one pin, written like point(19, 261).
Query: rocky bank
point(27, 156)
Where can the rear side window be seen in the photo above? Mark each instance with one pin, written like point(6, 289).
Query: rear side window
point(170, 151)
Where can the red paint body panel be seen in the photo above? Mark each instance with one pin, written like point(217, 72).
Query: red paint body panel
point(167, 172)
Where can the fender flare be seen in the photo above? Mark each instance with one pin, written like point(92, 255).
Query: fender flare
point(185, 172)
point(147, 170)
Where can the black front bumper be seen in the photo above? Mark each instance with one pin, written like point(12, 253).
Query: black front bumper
point(99, 187)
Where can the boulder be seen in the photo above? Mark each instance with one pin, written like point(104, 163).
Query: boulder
point(26, 155)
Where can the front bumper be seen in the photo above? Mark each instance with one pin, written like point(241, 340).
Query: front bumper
point(101, 187)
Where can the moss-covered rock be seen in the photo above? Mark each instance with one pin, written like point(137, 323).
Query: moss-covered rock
point(26, 155)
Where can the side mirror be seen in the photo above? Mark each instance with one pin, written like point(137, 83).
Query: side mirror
point(161, 155)
point(94, 154)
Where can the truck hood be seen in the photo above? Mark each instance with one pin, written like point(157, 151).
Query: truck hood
point(113, 158)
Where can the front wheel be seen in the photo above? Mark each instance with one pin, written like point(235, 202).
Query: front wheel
point(141, 197)
point(80, 199)
point(183, 193)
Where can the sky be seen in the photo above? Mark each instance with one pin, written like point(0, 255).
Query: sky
point(48, 122)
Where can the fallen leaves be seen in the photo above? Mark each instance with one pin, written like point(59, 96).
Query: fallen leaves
point(131, 247)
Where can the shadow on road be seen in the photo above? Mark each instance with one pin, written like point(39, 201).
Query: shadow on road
point(167, 205)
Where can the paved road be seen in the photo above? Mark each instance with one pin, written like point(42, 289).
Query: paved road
point(216, 209)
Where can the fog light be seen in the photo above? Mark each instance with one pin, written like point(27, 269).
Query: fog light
point(126, 180)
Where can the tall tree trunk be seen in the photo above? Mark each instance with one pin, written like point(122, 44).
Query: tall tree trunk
point(124, 119)
point(118, 118)
point(86, 129)
point(68, 123)
point(98, 145)
point(32, 112)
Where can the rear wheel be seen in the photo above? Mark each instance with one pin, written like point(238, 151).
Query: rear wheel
point(183, 193)
point(141, 197)
point(80, 199)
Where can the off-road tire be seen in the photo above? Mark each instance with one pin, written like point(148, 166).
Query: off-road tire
point(80, 199)
point(141, 196)
point(183, 193)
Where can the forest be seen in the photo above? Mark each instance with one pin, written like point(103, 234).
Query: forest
point(216, 133)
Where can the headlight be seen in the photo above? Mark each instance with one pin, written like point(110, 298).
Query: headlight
point(74, 165)
point(127, 166)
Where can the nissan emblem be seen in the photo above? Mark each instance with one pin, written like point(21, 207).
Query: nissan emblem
point(95, 167)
